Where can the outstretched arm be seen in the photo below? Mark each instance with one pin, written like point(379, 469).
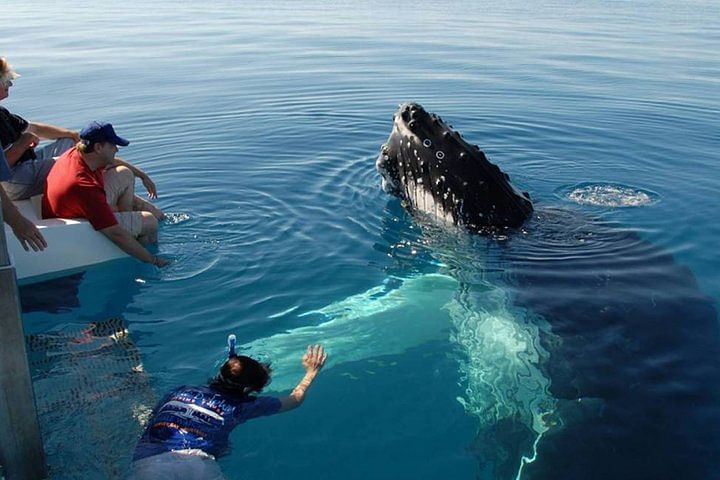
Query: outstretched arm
point(51, 132)
point(127, 243)
point(313, 361)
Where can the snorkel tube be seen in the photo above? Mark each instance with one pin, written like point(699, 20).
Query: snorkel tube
point(249, 375)
point(231, 341)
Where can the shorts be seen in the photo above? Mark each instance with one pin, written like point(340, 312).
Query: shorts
point(115, 187)
point(130, 221)
point(28, 177)
point(177, 465)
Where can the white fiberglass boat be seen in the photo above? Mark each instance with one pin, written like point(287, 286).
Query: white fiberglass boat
point(72, 245)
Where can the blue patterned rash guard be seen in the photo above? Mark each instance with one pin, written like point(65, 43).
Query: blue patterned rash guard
point(201, 418)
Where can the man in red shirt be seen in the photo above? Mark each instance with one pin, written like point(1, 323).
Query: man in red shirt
point(89, 182)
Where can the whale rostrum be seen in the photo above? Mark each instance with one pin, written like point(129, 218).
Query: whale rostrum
point(435, 171)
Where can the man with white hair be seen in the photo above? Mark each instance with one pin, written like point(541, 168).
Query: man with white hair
point(29, 164)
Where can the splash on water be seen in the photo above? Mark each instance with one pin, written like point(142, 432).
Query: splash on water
point(610, 195)
point(175, 218)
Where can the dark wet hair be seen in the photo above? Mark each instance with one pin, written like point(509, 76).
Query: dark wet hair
point(241, 375)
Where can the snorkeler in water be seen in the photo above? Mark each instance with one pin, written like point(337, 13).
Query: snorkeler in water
point(190, 426)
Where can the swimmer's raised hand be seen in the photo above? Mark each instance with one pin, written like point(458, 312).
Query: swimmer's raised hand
point(314, 358)
point(313, 361)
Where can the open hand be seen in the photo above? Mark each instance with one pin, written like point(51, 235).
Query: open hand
point(149, 185)
point(28, 235)
point(161, 262)
point(314, 358)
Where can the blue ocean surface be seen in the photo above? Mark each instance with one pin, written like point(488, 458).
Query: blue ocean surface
point(585, 345)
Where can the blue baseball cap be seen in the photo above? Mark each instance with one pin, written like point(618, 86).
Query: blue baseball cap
point(97, 132)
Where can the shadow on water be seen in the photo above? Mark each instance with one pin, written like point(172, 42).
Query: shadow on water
point(87, 373)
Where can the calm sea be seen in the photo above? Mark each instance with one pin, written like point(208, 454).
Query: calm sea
point(585, 346)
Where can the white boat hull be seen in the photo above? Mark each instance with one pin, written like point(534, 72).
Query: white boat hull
point(72, 245)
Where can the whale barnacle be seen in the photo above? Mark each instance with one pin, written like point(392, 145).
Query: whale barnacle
point(427, 143)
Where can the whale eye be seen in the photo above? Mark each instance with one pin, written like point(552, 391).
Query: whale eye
point(440, 154)
point(427, 143)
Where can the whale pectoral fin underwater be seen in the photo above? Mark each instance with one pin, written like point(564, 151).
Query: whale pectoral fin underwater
point(434, 171)
point(380, 321)
point(501, 357)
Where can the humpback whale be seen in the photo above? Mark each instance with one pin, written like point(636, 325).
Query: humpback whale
point(434, 170)
point(584, 350)
point(628, 343)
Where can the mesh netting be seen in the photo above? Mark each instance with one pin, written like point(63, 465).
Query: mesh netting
point(92, 398)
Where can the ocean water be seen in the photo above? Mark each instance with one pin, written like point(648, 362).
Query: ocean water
point(584, 346)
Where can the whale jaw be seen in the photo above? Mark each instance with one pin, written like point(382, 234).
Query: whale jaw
point(433, 170)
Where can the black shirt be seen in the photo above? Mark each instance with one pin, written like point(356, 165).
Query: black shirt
point(11, 127)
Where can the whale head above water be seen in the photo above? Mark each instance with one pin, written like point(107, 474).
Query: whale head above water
point(433, 170)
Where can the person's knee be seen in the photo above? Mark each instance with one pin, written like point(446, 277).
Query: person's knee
point(149, 224)
point(124, 174)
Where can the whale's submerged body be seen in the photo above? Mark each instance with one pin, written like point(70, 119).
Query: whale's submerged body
point(586, 351)
point(635, 333)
